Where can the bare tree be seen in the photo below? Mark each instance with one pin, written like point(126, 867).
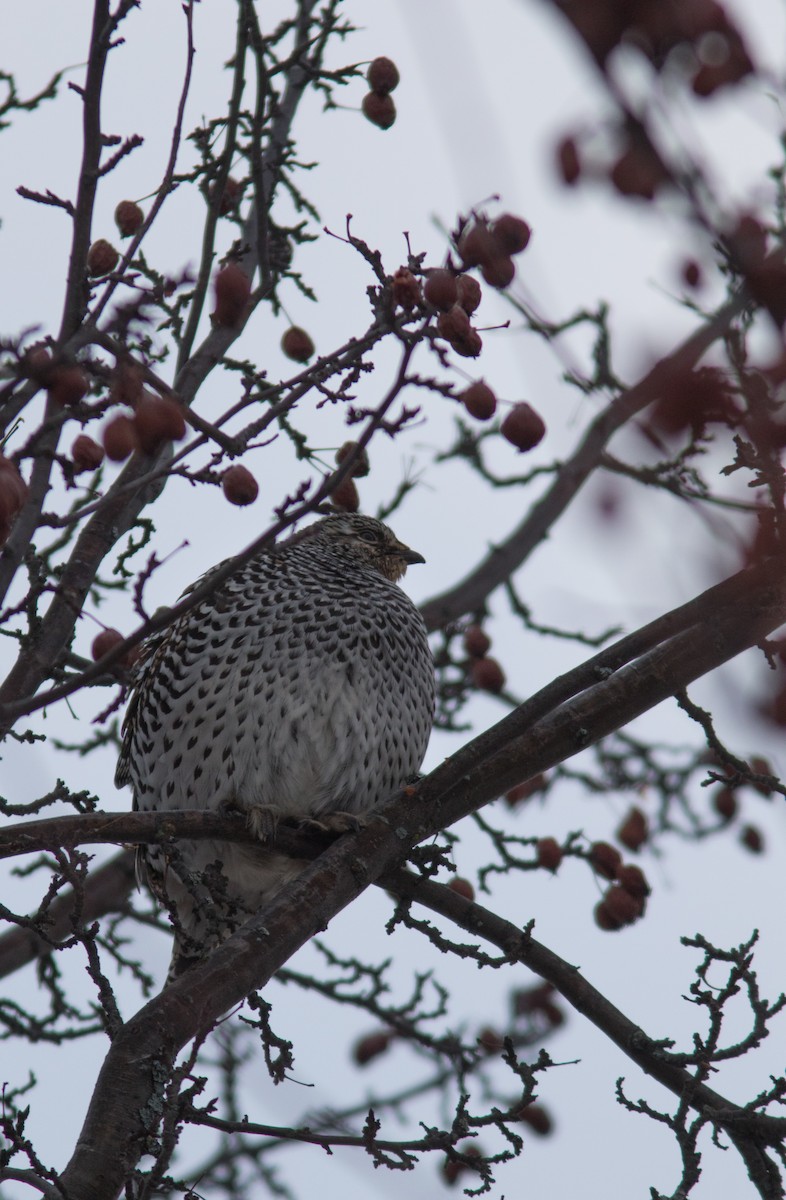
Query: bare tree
point(103, 418)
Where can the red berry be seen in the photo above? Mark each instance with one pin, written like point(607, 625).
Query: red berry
point(454, 323)
point(13, 494)
point(158, 420)
point(477, 643)
point(604, 859)
point(633, 831)
point(379, 110)
point(106, 640)
point(405, 289)
point(129, 218)
point(101, 258)
point(441, 289)
point(383, 76)
point(549, 853)
point(370, 1047)
point(462, 887)
point(239, 485)
point(345, 496)
point(297, 344)
point(37, 363)
point(752, 839)
point(362, 465)
point(86, 454)
point(633, 880)
point(617, 908)
point(498, 272)
point(487, 675)
point(233, 289)
point(568, 162)
point(537, 1117)
point(120, 438)
point(491, 1041)
point(691, 273)
point(67, 384)
point(511, 233)
point(469, 293)
point(477, 245)
point(523, 427)
point(479, 400)
point(724, 801)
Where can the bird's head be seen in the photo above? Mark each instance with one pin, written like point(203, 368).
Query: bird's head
point(368, 541)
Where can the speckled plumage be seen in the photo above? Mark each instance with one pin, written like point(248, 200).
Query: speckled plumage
point(303, 684)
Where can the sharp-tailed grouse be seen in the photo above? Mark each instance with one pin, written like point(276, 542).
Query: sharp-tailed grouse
point(303, 686)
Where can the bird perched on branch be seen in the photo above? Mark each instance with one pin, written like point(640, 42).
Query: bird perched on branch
point(301, 687)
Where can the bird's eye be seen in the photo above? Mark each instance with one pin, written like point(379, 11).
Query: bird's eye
point(368, 535)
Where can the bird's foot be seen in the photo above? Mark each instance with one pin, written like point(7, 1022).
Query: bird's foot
point(335, 822)
point(261, 819)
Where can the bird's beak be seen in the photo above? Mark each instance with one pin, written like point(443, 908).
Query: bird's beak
point(410, 556)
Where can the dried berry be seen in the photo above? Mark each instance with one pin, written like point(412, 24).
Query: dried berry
point(752, 839)
point(633, 831)
point(479, 400)
point(487, 674)
point(638, 172)
point(101, 258)
point(462, 887)
point(383, 76)
point(239, 485)
point(498, 272)
point(568, 161)
point(604, 859)
point(127, 383)
point(370, 1047)
point(617, 909)
point(549, 853)
point(477, 246)
point(491, 1041)
point(37, 363)
point(379, 110)
point(362, 466)
point(119, 438)
point(158, 420)
point(13, 494)
point(233, 288)
point(724, 801)
point(511, 233)
point(345, 496)
point(454, 324)
point(106, 640)
point(467, 345)
point(477, 642)
point(523, 427)
point(441, 289)
point(405, 289)
point(297, 344)
point(632, 879)
point(67, 384)
point(86, 454)
point(469, 293)
point(537, 1117)
point(129, 218)
point(691, 273)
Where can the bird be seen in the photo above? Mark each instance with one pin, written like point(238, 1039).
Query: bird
point(301, 688)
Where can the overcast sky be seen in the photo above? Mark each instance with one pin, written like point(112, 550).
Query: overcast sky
point(486, 91)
